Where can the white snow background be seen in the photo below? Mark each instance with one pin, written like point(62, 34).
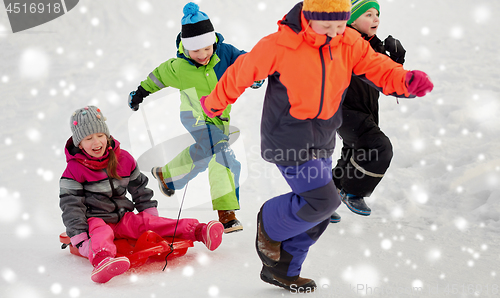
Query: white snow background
point(435, 222)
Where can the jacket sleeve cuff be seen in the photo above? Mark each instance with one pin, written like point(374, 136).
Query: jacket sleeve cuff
point(79, 238)
point(152, 211)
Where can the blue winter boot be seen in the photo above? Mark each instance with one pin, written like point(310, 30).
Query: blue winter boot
point(355, 203)
point(335, 218)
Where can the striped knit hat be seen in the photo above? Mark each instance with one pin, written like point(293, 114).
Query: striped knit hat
point(86, 121)
point(359, 7)
point(197, 31)
point(327, 10)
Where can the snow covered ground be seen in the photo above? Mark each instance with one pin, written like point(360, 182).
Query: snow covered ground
point(436, 215)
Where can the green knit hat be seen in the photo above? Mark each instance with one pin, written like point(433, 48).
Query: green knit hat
point(359, 7)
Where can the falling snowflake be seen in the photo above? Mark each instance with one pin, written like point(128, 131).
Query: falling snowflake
point(434, 255)
point(188, 271)
point(461, 223)
point(34, 63)
point(33, 135)
point(417, 285)
point(362, 278)
point(74, 292)
point(386, 244)
point(397, 212)
point(23, 231)
point(11, 202)
point(418, 144)
point(145, 7)
point(213, 291)
point(456, 32)
point(203, 259)
point(482, 14)
point(56, 288)
point(9, 275)
point(134, 278)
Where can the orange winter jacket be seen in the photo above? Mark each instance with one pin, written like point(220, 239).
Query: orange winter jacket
point(308, 75)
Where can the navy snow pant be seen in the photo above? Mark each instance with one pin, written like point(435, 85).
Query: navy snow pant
point(297, 219)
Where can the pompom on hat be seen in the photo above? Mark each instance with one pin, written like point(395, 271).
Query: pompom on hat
point(86, 121)
point(359, 7)
point(197, 31)
point(327, 10)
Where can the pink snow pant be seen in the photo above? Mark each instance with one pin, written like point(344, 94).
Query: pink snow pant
point(132, 226)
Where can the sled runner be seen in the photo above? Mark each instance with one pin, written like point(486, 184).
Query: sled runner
point(149, 244)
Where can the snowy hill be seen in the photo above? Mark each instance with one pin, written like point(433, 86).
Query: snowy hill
point(434, 227)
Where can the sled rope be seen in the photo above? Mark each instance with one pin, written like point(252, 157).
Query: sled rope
point(147, 128)
point(180, 208)
point(176, 224)
point(171, 245)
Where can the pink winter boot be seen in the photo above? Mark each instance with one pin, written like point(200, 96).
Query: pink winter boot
point(108, 268)
point(210, 234)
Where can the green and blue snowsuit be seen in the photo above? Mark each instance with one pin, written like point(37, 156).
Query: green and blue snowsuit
point(210, 149)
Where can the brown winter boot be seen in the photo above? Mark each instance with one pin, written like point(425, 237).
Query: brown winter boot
point(267, 249)
point(158, 175)
point(228, 219)
point(295, 284)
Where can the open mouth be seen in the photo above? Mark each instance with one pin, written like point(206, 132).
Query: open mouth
point(97, 150)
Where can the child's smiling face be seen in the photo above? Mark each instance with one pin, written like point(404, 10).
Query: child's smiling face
point(94, 144)
point(368, 22)
point(203, 55)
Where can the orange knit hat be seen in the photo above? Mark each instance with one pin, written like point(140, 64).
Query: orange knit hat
point(327, 10)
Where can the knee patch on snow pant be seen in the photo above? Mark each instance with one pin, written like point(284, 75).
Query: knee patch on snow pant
point(321, 202)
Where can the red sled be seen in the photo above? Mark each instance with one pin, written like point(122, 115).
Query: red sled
point(149, 244)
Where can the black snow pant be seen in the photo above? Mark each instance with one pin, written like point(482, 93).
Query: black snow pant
point(366, 154)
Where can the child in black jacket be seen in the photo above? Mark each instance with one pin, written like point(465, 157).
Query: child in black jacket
point(367, 151)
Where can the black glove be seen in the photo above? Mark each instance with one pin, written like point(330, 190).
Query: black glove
point(395, 49)
point(136, 97)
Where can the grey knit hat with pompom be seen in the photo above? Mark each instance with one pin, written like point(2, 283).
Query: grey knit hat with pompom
point(86, 121)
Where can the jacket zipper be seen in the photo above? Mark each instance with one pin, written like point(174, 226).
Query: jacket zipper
point(113, 192)
point(323, 75)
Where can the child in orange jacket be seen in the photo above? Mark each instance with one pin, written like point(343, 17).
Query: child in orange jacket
point(309, 63)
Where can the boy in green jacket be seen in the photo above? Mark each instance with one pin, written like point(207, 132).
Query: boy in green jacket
point(202, 59)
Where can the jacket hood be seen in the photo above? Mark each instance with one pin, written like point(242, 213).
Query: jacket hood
point(74, 153)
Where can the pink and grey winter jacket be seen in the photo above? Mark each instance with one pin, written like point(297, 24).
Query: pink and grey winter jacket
point(87, 191)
